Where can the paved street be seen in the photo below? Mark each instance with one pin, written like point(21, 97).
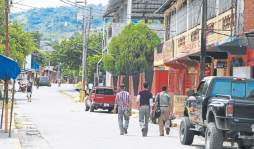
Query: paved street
point(54, 120)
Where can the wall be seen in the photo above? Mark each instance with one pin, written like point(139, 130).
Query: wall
point(248, 15)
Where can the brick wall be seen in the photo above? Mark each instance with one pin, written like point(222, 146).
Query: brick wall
point(248, 15)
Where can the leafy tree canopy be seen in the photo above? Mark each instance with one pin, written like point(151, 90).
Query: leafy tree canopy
point(132, 51)
point(69, 53)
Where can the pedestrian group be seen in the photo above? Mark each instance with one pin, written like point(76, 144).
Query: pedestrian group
point(145, 101)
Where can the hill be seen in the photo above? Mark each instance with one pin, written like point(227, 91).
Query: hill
point(57, 22)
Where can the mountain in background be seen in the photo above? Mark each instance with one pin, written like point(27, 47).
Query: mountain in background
point(57, 23)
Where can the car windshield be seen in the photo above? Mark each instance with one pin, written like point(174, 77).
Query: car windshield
point(105, 91)
point(43, 78)
point(236, 89)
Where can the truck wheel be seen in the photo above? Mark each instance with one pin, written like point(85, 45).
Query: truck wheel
point(213, 137)
point(186, 135)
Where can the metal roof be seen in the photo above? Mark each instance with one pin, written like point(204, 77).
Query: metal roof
point(165, 6)
point(140, 8)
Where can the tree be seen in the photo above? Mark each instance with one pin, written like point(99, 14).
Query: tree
point(1, 25)
point(21, 43)
point(131, 52)
point(69, 53)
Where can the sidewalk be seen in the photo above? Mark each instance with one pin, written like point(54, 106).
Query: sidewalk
point(7, 142)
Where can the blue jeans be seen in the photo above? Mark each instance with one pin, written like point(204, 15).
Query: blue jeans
point(121, 118)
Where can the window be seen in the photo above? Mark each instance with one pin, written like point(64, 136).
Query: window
point(224, 5)
point(194, 13)
point(211, 10)
point(172, 24)
point(105, 91)
point(238, 89)
point(200, 88)
point(221, 87)
point(249, 88)
point(182, 19)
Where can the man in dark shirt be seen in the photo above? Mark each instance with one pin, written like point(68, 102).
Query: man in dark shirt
point(29, 91)
point(145, 101)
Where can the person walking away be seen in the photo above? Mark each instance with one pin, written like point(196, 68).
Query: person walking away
point(29, 90)
point(163, 100)
point(123, 103)
point(37, 82)
point(145, 102)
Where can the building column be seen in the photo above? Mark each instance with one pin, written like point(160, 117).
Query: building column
point(129, 11)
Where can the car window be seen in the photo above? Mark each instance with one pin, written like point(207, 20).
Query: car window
point(44, 78)
point(249, 87)
point(105, 91)
point(221, 87)
point(200, 88)
point(238, 89)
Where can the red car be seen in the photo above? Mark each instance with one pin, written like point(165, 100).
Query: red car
point(101, 98)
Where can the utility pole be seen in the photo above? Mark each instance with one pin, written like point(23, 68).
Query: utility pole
point(6, 52)
point(84, 54)
point(203, 40)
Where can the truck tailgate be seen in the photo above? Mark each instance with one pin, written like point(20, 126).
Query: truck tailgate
point(244, 110)
point(110, 99)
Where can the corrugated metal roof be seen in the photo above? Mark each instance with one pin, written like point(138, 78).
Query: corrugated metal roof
point(165, 6)
point(140, 8)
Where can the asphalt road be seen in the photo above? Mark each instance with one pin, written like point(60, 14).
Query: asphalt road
point(54, 121)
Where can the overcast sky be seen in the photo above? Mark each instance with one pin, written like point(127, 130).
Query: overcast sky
point(47, 3)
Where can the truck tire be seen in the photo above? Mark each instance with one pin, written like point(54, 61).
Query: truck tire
point(186, 135)
point(213, 137)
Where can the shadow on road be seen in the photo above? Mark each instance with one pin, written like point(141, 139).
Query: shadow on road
point(203, 147)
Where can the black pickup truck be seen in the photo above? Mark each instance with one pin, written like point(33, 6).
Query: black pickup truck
point(221, 110)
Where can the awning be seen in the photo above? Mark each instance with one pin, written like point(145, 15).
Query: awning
point(232, 45)
point(9, 69)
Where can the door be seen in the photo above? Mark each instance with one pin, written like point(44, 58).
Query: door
point(196, 106)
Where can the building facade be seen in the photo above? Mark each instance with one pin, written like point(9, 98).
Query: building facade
point(229, 32)
point(121, 13)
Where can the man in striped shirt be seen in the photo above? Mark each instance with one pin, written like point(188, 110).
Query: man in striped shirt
point(123, 103)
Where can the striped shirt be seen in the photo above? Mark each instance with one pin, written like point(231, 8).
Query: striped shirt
point(122, 100)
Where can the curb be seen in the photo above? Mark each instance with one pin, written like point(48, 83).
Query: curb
point(16, 140)
point(75, 98)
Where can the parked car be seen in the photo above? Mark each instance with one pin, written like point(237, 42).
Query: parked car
point(100, 98)
point(221, 110)
point(44, 81)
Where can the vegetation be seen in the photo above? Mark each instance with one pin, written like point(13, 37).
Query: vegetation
point(68, 53)
point(56, 23)
point(131, 52)
point(21, 43)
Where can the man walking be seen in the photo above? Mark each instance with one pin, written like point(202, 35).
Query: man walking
point(145, 101)
point(123, 103)
point(164, 102)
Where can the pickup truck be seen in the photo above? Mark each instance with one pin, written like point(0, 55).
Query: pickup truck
point(221, 110)
point(100, 98)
